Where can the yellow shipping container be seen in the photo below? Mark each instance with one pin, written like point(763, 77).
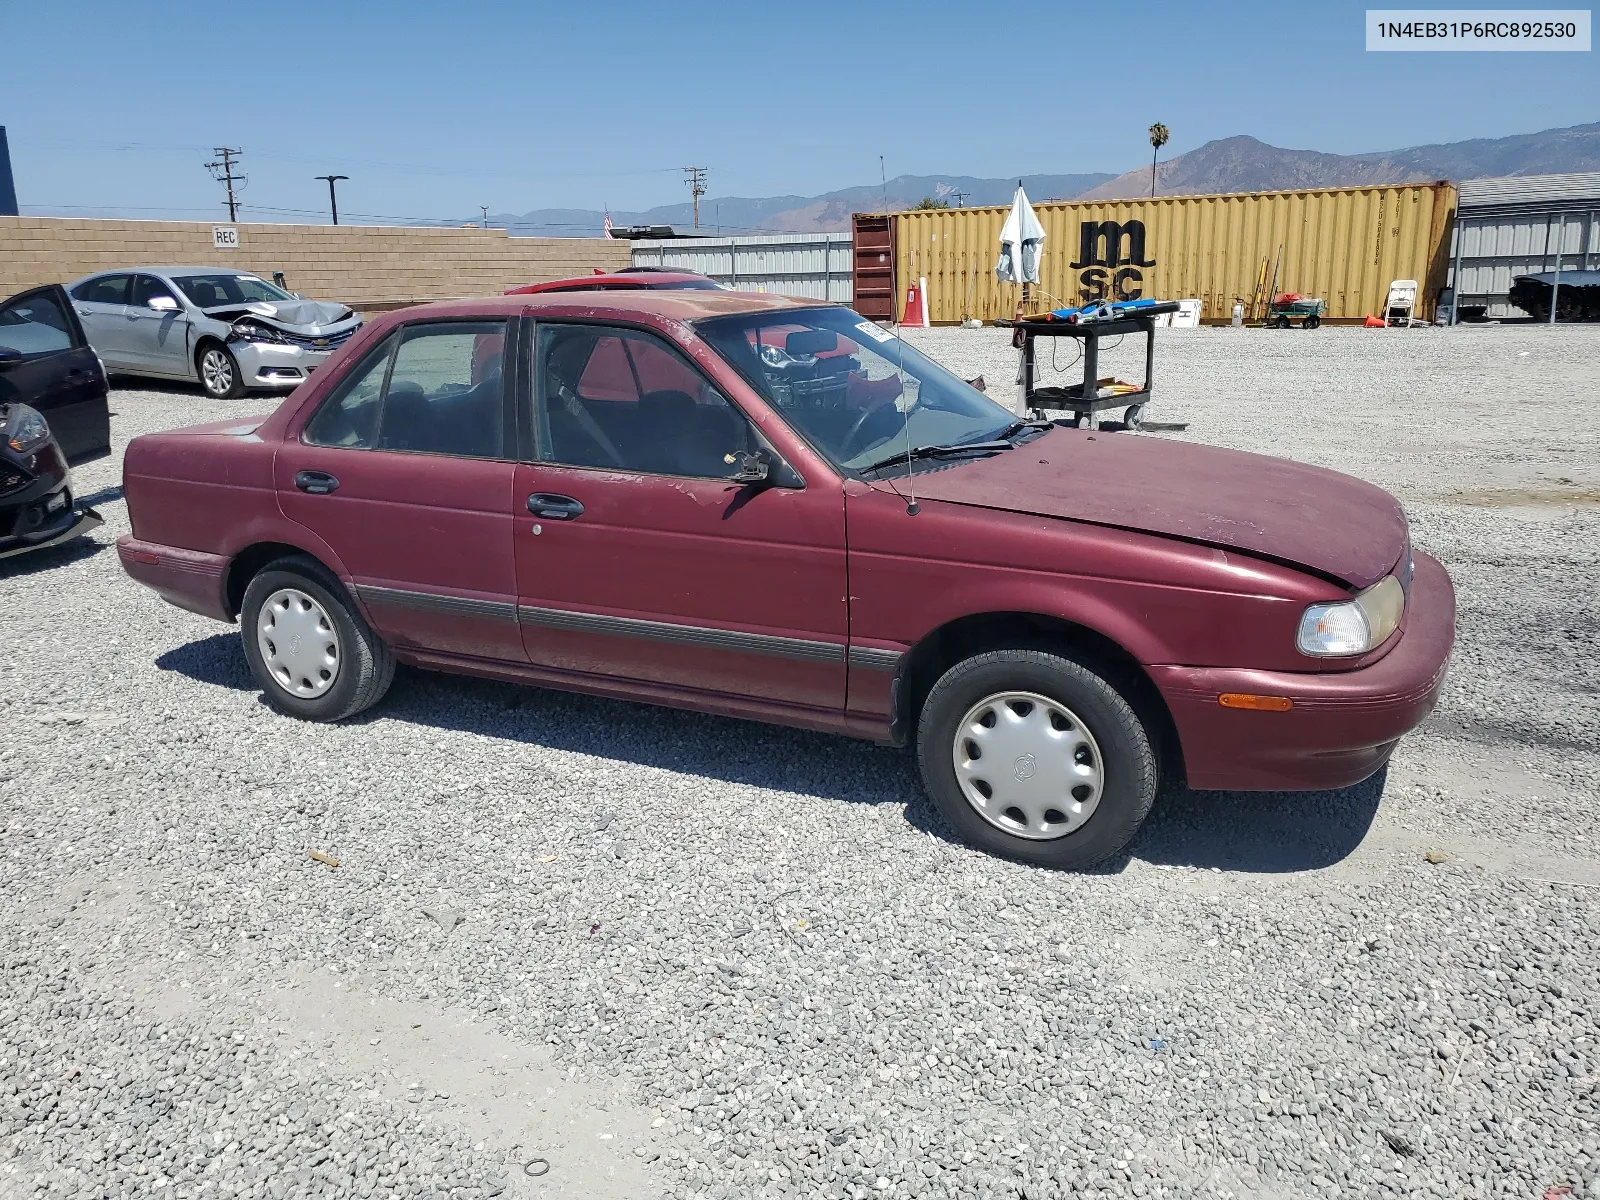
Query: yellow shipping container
point(1344, 245)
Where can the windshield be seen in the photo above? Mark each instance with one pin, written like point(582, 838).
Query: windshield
point(208, 291)
point(854, 390)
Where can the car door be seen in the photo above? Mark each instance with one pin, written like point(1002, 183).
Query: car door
point(102, 307)
point(639, 556)
point(404, 471)
point(46, 363)
point(158, 329)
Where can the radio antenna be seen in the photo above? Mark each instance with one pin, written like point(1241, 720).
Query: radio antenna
point(912, 508)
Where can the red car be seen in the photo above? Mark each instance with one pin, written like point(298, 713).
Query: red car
point(625, 279)
point(768, 508)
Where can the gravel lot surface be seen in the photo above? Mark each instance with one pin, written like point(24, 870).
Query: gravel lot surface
point(674, 955)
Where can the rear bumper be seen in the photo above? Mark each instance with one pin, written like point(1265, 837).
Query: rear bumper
point(187, 578)
point(1343, 726)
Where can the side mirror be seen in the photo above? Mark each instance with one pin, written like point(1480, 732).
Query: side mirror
point(162, 304)
point(749, 468)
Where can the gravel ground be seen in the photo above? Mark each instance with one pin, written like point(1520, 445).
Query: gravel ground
point(680, 956)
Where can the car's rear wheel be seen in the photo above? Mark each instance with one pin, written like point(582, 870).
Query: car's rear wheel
point(309, 649)
point(219, 372)
point(1036, 757)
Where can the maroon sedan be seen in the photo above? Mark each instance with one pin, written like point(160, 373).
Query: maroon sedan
point(764, 508)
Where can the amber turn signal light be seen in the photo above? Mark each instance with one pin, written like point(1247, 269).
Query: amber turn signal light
point(1259, 703)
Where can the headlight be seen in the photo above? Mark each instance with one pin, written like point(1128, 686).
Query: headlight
point(249, 331)
point(25, 428)
point(1355, 626)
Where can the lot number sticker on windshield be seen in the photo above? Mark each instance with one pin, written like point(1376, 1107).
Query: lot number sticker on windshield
point(873, 332)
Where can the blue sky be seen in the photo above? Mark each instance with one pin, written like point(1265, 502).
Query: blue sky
point(435, 108)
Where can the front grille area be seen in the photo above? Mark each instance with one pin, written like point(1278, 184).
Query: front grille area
point(13, 478)
point(329, 341)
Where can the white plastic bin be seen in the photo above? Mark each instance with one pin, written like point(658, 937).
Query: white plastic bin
point(1187, 316)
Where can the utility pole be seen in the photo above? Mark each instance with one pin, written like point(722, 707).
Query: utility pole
point(333, 200)
point(695, 177)
point(959, 197)
point(222, 171)
point(484, 209)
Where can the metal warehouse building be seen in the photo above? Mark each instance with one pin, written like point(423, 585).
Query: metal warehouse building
point(1520, 225)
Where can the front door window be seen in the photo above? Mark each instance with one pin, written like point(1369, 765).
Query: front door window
point(624, 400)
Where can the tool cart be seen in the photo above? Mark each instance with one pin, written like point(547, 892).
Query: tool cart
point(1094, 395)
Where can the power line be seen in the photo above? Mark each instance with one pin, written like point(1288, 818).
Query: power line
point(695, 177)
point(333, 199)
point(222, 172)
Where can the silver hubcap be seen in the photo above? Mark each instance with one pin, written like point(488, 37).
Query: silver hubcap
point(216, 371)
point(1028, 765)
point(299, 643)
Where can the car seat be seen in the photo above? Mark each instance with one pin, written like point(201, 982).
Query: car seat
point(206, 294)
point(407, 420)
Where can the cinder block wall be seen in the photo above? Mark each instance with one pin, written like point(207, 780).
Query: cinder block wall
point(371, 266)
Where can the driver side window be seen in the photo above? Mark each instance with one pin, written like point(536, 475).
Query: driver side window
point(620, 399)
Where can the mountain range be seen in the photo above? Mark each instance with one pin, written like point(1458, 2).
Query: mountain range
point(1233, 164)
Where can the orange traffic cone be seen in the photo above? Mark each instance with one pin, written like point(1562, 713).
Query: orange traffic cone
point(916, 310)
point(1373, 322)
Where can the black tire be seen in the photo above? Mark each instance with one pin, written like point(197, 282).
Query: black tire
point(1283, 322)
point(1133, 418)
point(1312, 322)
point(365, 666)
point(1131, 775)
point(225, 381)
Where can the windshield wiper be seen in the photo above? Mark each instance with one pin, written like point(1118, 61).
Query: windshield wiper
point(953, 450)
point(1016, 427)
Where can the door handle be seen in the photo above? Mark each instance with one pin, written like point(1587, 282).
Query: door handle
point(84, 312)
point(317, 483)
point(553, 507)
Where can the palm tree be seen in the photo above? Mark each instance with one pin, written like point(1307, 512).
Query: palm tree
point(1158, 139)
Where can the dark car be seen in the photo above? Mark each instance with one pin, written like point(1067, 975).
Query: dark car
point(53, 415)
point(626, 279)
point(767, 508)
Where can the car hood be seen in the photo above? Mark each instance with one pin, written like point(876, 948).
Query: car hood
point(1270, 507)
point(301, 316)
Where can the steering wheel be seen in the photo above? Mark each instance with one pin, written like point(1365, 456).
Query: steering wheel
point(847, 447)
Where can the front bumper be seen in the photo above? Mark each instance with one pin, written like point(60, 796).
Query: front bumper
point(76, 523)
point(1344, 724)
point(271, 365)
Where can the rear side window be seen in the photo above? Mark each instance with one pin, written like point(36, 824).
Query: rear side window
point(429, 389)
point(108, 289)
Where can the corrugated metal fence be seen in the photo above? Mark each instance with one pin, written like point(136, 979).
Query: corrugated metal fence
point(817, 265)
point(1521, 225)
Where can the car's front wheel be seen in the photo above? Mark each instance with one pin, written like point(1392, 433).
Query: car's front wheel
point(219, 372)
point(309, 649)
point(1036, 757)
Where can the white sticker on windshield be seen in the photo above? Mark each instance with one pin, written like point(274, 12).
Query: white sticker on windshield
point(875, 333)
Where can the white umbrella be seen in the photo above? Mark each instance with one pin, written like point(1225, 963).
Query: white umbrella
point(1021, 239)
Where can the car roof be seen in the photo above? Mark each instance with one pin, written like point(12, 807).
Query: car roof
point(659, 302)
point(647, 278)
point(170, 272)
